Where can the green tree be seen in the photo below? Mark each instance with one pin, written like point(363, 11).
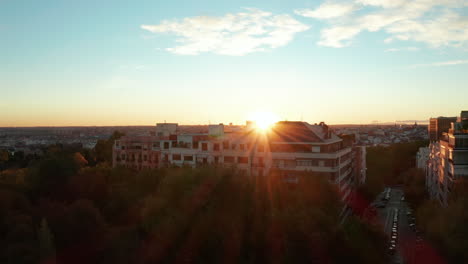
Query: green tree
point(103, 148)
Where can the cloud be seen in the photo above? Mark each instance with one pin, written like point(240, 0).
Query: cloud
point(402, 49)
point(232, 34)
point(328, 10)
point(338, 36)
point(439, 64)
point(438, 23)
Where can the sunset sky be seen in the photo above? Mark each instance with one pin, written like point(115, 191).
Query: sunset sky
point(113, 62)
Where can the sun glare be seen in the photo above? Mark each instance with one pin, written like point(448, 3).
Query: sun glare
point(264, 120)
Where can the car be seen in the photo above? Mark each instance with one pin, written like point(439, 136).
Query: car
point(380, 205)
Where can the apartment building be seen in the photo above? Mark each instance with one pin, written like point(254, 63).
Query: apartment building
point(422, 156)
point(448, 160)
point(287, 147)
point(438, 126)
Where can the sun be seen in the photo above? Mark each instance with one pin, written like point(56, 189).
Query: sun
point(264, 120)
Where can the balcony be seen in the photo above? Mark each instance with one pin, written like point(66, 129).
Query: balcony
point(310, 155)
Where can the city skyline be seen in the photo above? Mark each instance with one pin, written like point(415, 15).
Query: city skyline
point(343, 62)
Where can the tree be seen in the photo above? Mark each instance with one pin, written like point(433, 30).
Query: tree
point(103, 148)
point(46, 243)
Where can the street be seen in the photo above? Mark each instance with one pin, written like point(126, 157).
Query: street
point(409, 247)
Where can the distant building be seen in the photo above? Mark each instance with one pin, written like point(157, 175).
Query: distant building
point(438, 126)
point(448, 160)
point(288, 147)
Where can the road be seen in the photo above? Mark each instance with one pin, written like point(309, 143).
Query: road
point(386, 216)
point(409, 249)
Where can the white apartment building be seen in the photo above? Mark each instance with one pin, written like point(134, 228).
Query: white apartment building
point(422, 156)
point(288, 147)
point(448, 160)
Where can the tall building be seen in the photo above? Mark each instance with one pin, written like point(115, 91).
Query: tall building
point(438, 126)
point(422, 157)
point(448, 160)
point(288, 147)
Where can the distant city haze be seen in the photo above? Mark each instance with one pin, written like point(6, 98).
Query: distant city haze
point(110, 63)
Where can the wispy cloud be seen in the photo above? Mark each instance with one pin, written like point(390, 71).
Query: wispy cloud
point(402, 49)
point(328, 10)
point(437, 23)
point(232, 34)
point(440, 64)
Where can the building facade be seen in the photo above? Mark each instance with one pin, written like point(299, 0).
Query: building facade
point(288, 147)
point(438, 126)
point(448, 160)
point(422, 156)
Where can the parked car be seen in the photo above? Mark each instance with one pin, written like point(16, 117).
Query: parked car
point(379, 205)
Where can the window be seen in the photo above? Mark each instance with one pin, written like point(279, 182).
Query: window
point(216, 147)
point(228, 159)
point(241, 146)
point(123, 147)
point(204, 146)
point(145, 158)
point(216, 159)
point(195, 144)
point(260, 161)
point(243, 160)
point(188, 158)
point(289, 163)
point(304, 163)
point(176, 157)
point(156, 144)
point(166, 145)
point(316, 149)
point(173, 144)
point(225, 144)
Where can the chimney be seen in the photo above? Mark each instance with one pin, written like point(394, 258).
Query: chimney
point(325, 130)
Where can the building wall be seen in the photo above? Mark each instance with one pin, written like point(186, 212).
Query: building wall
point(447, 161)
point(343, 164)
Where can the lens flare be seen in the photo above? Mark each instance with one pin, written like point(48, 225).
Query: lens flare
point(264, 120)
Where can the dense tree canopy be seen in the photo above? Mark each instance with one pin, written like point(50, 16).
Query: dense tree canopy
point(61, 209)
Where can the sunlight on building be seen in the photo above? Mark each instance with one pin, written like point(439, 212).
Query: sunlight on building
point(263, 119)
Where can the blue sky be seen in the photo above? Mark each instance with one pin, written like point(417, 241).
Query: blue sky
point(141, 62)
